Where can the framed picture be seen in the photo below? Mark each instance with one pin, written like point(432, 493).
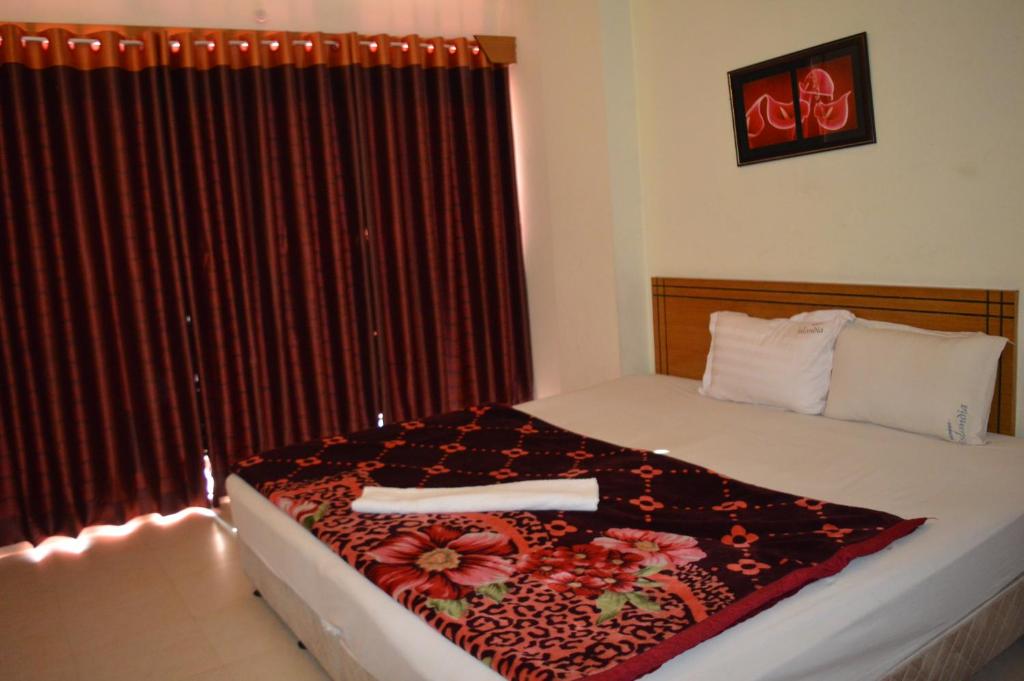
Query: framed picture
point(812, 100)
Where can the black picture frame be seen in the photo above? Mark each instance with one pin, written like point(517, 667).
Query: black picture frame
point(758, 93)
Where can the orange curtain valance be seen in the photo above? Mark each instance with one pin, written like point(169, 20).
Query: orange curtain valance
point(136, 48)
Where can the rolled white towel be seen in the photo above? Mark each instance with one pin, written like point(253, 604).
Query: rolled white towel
point(560, 494)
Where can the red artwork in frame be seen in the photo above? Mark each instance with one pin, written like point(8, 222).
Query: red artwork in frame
point(813, 100)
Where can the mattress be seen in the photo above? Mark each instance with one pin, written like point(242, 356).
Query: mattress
point(855, 625)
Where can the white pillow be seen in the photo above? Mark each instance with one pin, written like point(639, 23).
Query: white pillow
point(779, 362)
point(930, 382)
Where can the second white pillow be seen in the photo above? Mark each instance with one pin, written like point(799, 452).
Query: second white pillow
point(931, 382)
point(780, 362)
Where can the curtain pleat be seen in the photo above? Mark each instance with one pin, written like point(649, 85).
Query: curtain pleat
point(209, 250)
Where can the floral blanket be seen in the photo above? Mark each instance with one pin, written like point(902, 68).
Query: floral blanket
point(675, 553)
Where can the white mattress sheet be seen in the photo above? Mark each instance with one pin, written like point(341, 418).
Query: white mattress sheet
point(855, 625)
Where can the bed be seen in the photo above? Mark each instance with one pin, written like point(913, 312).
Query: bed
point(935, 605)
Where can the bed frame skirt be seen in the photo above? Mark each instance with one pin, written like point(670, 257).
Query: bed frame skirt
point(955, 655)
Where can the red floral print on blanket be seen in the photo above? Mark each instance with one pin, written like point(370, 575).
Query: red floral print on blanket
point(305, 512)
point(653, 548)
point(441, 563)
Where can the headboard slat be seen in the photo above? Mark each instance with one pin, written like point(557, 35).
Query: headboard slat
point(682, 308)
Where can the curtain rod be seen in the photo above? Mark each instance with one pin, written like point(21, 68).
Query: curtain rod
point(498, 49)
point(95, 44)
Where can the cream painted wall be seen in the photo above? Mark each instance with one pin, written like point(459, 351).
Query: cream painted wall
point(939, 200)
point(633, 286)
point(561, 137)
point(567, 188)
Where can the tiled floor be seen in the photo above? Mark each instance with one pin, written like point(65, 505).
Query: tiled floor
point(165, 603)
point(161, 603)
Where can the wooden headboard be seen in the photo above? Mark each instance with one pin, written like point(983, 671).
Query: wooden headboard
point(682, 308)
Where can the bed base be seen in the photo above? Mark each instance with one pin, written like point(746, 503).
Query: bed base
point(955, 655)
point(321, 639)
point(962, 650)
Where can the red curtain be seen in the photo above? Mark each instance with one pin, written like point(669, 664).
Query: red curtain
point(99, 421)
point(283, 322)
point(223, 241)
point(447, 252)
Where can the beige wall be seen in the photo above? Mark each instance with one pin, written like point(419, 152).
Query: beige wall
point(561, 133)
point(636, 337)
point(938, 200)
point(566, 193)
